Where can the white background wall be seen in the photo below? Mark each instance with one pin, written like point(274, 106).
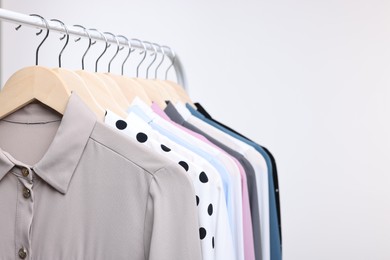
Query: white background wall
point(308, 79)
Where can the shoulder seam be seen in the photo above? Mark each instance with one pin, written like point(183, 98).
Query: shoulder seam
point(140, 166)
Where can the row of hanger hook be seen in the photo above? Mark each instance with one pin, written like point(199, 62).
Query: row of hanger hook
point(107, 45)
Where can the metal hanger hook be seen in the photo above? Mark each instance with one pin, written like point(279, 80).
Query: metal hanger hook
point(162, 60)
point(155, 57)
point(173, 60)
point(66, 42)
point(117, 49)
point(38, 33)
point(89, 43)
point(128, 54)
point(105, 49)
point(145, 51)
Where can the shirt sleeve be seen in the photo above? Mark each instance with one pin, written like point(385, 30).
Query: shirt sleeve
point(171, 222)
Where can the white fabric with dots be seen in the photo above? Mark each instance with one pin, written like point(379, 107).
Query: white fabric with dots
point(214, 230)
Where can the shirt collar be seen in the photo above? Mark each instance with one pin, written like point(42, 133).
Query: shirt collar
point(141, 109)
point(63, 155)
point(183, 111)
point(5, 164)
point(194, 112)
point(203, 111)
point(173, 114)
point(156, 109)
point(133, 120)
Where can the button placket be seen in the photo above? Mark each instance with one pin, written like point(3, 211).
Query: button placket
point(24, 215)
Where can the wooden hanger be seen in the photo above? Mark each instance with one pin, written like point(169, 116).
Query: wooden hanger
point(165, 89)
point(49, 86)
point(100, 92)
point(115, 91)
point(97, 85)
point(30, 84)
point(113, 87)
point(167, 92)
point(150, 88)
point(179, 90)
point(74, 83)
point(34, 83)
point(130, 88)
point(152, 91)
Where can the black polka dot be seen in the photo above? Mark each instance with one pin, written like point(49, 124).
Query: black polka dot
point(203, 177)
point(184, 165)
point(141, 137)
point(210, 209)
point(165, 149)
point(197, 200)
point(120, 124)
point(212, 242)
point(202, 233)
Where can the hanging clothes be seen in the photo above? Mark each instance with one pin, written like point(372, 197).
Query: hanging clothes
point(216, 157)
point(214, 229)
point(102, 166)
point(275, 222)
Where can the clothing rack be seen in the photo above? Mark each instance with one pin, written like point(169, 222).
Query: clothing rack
point(33, 21)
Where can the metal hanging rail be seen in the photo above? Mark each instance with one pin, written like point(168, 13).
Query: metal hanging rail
point(22, 19)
